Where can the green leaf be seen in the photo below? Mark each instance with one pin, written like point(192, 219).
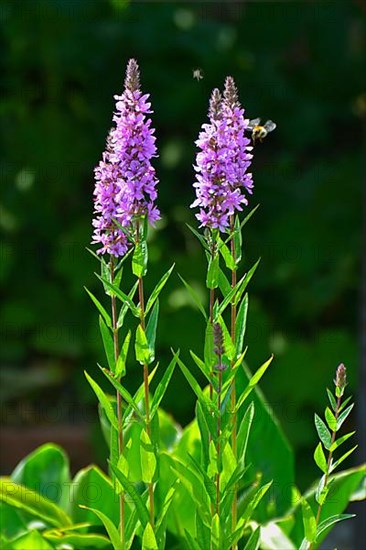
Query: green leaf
point(122, 358)
point(309, 521)
point(155, 293)
point(28, 541)
point(258, 496)
point(320, 459)
point(125, 299)
point(323, 432)
point(343, 457)
point(324, 525)
point(245, 281)
point(46, 471)
point(148, 539)
point(344, 403)
point(101, 309)
point(224, 284)
point(107, 343)
point(253, 382)
point(201, 239)
point(194, 296)
point(244, 431)
point(162, 387)
point(228, 343)
point(125, 306)
point(342, 417)
point(215, 532)
point(209, 354)
point(139, 259)
point(109, 526)
point(103, 400)
point(241, 323)
point(76, 540)
point(201, 365)
point(212, 469)
point(129, 487)
point(143, 355)
point(151, 329)
point(341, 440)
point(124, 393)
point(92, 488)
point(202, 532)
point(33, 503)
point(148, 459)
point(332, 400)
point(331, 420)
point(254, 539)
point(226, 254)
point(321, 491)
point(212, 279)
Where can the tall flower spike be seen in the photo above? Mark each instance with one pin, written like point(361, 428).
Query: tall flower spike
point(125, 187)
point(222, 162)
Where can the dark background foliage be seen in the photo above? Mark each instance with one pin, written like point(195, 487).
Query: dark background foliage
point(299, 63)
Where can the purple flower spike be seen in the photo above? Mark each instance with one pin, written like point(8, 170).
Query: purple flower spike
point(222, 162)
point(125, 187)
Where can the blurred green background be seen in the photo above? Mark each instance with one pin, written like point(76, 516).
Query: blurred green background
point(298, 63)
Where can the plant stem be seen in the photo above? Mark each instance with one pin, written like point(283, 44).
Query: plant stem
point(119, 404)
point(218, 441)
point(146, 380)
point(330, 456)
point(233, 385)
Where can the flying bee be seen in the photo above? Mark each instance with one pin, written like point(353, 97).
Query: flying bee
point(197, 74)
point(258, 131)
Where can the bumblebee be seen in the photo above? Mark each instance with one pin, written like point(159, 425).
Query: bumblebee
point(259, 132)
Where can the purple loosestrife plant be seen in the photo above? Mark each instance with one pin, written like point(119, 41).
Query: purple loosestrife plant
point(125, 189)
point(222, 180)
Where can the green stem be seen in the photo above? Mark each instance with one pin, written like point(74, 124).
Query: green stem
point(233, 385)
point(218, 441)
point(329, 462)
point(146, 380)
point(119, 405)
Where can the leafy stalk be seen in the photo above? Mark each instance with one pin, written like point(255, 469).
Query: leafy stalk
point(119, 400)
point(334, 416)
point(145, 374)
point(233, 385)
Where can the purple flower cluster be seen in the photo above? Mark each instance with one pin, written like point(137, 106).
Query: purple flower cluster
point(125, 188)
point(222, 180)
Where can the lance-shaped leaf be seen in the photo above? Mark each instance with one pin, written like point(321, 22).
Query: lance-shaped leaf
point(201, 239)
point(124, 393)
point(202, 366)
point(162, 387)
point(103, 400)
point(246, 279)
point(226, 254)
point(151, 329)
point(143, 355)
point(130, 489)
point(342, 417)
point(324, 525)
point(341, 440)
point(125, 306)
point(320, 459)
point(100, 308)
point(109, 526)
point(253, 542)
point(148, 539)
point(331, 420)
point(125, 299)
point(241, 323)
point(253, 382)
point(224, 284)
point(121, 361)
point(107, 343)
point(332, 400)
point(244, 431)
point(147, 457)
point(195, 297)
point(238, 240)
point(343, 457)
point(308, 521)
point(323, 432)
point(139, 259)
point(155, 293)
point(212, 279)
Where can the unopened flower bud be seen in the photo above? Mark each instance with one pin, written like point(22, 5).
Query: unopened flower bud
point(132, 81)
point(341, 379)
point(215, 105)
point(231, 92)
point(218, 340)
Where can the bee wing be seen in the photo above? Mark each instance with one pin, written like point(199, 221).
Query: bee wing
point(270, 125)
point(253, 123)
